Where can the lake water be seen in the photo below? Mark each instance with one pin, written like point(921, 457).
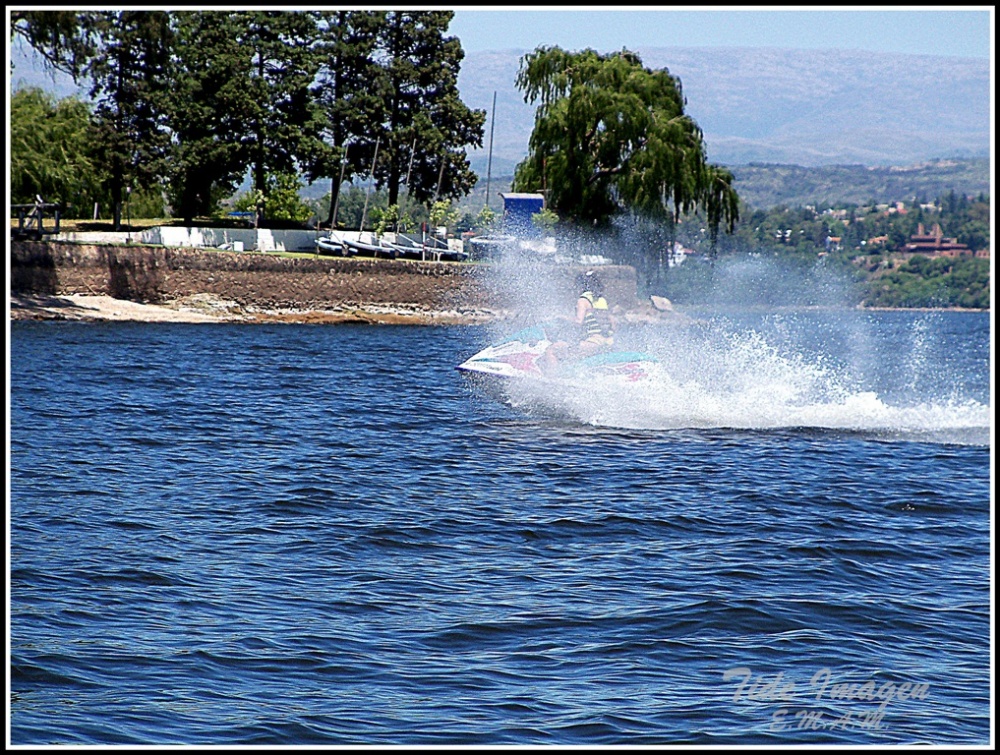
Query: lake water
point(230, 534)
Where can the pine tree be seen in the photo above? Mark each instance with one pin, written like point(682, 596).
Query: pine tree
point(348, 91)
point(66, 40)
point(284, 123)
point(210, 111)
point(425, 121)
point(130, 84)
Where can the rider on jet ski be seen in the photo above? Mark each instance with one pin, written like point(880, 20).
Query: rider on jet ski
point(594, 320)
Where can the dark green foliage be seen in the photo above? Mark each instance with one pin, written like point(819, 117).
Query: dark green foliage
point(187, 101)
point(209, 112)
point(426, 126)
point(284, 121)
point(611, 136)
point(130, 75)
point(802, 238)
point(351, 206)
point(939, 282)
point(64, 39)
point(349, 89)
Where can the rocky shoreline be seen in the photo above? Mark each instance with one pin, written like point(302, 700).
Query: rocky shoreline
point(88, 283)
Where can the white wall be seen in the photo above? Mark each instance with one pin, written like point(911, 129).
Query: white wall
point(253, 239)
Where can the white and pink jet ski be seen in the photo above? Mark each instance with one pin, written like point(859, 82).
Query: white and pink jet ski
point(520, 357)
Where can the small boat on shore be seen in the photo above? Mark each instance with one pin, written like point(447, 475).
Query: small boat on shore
point(371, 248)
point(430, 248)
point(408, 248)
point(331, 245)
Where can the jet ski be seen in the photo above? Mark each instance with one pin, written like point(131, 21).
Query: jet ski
point(520, 356)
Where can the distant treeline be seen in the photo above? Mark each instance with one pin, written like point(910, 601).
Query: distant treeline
point(862, 247)
point(763, 186)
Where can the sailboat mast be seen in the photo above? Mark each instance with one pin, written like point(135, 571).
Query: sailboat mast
point(371, 177)
point(406, 197)
point(340, 185)
point(489, 160)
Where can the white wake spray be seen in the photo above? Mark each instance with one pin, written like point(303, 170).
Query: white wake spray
point(722, 375)
point(740, 381)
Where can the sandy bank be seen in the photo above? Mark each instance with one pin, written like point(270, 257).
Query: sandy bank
point(206, 308)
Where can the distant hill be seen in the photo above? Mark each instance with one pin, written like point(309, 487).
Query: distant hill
point(765, 186)
point(796, 107)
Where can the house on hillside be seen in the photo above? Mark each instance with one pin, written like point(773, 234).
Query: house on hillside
point(935, 243)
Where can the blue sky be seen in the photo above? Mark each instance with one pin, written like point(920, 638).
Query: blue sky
point(963, 31)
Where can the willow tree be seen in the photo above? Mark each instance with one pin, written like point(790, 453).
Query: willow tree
point(611, 136)
point(52, 151)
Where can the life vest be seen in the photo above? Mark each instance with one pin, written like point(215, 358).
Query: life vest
point(597, 320)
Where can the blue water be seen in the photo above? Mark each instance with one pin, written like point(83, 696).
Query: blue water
point(231, 534)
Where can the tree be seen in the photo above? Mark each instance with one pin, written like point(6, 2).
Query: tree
point(66, 40)
point(52, 151)
point(284, 122)
point(349, 93)
point(356, 204)
point(209, 111)
point(283, 202)
point(129, 72)
point(611, 136)
point(426, 123)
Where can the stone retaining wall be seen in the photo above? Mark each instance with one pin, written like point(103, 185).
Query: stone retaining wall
point(157, 274)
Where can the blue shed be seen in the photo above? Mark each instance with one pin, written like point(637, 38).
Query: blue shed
point(517, 211)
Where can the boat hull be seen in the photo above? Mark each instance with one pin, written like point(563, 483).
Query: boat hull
point(332, 246)
point(371, 250)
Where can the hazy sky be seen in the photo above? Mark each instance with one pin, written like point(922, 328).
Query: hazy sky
point(961, 30)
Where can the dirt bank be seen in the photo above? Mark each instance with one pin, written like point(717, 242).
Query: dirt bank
point(52, 280)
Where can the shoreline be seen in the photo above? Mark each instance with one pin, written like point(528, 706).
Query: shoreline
point(207, 308)
point(62, 281)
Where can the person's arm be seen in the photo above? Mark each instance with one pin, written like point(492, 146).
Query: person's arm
point(582, 305)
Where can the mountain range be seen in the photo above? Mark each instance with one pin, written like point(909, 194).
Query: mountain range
point(796, 107)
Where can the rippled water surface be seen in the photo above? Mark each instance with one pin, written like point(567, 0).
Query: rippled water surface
point(225, 534)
